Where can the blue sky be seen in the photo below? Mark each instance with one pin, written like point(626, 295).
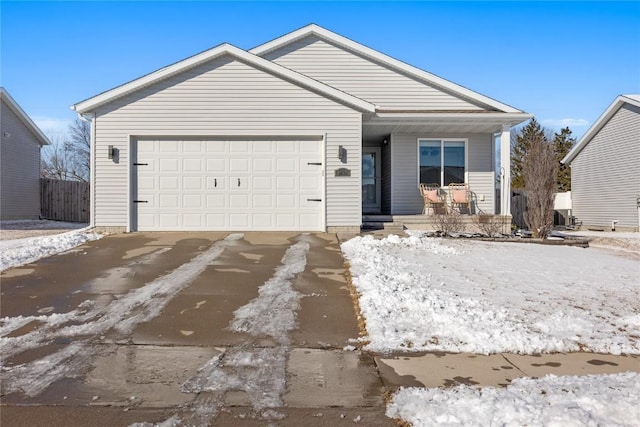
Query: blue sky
point(565, 62)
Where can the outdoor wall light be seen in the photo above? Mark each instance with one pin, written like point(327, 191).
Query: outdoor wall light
point(110, 152)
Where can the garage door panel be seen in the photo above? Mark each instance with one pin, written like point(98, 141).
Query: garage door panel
point(262, 183)
point(216, 201)
point(170, 147)
point(192, 183)
point(285, 201)
point(263, 201)
point(168, 201)
point(168, 165)
point(192, 165)
point(228, 185)
point(286, 183)
point(192, 201)
point(286, 165)
point(168, 220)
point(169, 183)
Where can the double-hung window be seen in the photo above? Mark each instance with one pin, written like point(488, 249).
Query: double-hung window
point(442, 161)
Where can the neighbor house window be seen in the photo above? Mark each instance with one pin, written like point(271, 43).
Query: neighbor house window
point(442, 161)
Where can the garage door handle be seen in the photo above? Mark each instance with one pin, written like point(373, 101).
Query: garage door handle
point(140, 201)
point(314, 200)
point(315, 163)
point(141, 164)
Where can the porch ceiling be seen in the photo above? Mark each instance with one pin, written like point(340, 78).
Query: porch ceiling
point(383, 124)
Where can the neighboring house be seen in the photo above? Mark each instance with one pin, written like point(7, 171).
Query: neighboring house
point(305, 132)
point(20, 144)
point(605, 168)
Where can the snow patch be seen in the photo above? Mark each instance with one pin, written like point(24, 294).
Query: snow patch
point(567, 400)
point(14, 253)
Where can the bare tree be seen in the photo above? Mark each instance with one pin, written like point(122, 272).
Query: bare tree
point(540, 171)
point(69, 158)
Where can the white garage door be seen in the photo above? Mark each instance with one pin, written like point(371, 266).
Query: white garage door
point(228, 185)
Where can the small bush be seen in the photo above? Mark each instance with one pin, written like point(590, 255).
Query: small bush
point(449, 223)
point(490, 224)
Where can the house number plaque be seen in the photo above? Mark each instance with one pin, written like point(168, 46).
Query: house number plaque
point(343, 172)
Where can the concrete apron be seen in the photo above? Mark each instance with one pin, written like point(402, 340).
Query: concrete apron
point(119, 378)
point(451, 369)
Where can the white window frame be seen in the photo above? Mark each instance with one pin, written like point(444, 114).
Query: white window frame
point(442, 141)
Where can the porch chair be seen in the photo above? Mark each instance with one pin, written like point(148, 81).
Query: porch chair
point(433, 199)
point(460, 196)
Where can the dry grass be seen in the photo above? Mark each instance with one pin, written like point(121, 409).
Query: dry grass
point(355, 298)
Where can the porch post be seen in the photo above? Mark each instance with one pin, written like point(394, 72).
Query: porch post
point(505, 170)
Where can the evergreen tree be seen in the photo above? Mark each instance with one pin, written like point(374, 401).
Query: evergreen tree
point(562, 144)
point(532, 132)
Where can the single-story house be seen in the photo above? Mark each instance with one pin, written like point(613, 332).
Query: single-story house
point(305, 132)
point(605, 169)
point(20, 144)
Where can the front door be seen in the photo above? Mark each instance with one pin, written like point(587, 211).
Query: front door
point(371, 180)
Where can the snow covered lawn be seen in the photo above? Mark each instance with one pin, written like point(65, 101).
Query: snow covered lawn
point(16, 252)
point(594, 400)
point(430, 294)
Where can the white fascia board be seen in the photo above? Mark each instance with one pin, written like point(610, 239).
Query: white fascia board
point(415, 72)
point(602, 120)
point(472, 117)
point(223, 49)
point(24, 117)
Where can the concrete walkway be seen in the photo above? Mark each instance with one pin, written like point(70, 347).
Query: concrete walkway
point(450, 369)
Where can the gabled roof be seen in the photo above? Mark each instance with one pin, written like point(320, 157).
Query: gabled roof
point(208, 55)
point(24, 118)
point(599, 124)
point(421, 75)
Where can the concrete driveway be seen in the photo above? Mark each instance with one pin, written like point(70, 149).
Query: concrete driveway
point(186, 329)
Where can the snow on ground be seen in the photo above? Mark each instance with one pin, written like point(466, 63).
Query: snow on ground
point(17, 252)
point(457, 295)
point(593, 400)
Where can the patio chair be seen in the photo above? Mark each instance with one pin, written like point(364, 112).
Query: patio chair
point(433, 199)
point(460, 196)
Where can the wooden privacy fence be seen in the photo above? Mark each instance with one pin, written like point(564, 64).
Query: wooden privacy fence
point(64, 200)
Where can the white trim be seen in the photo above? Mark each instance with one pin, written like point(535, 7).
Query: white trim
point(599, 124)
point(223, 49)
point(412, 71)
point(442, 141)
point(24, 117)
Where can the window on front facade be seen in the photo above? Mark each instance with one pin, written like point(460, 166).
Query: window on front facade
point(442, 161)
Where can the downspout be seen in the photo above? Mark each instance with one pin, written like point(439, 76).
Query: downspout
point(90, 118)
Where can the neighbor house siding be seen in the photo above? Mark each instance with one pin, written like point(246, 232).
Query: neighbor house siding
point(406, 199)
point(605, 175)
point(363, 77)
point(226, 97)
point(20, 168)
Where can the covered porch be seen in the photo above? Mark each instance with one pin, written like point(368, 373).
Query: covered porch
point(402, 150)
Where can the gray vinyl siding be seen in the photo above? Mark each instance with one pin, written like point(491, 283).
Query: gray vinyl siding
point(20, 168)
point(363, 77)
point(405, 196)
point(605, 175)
point(219, 98)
